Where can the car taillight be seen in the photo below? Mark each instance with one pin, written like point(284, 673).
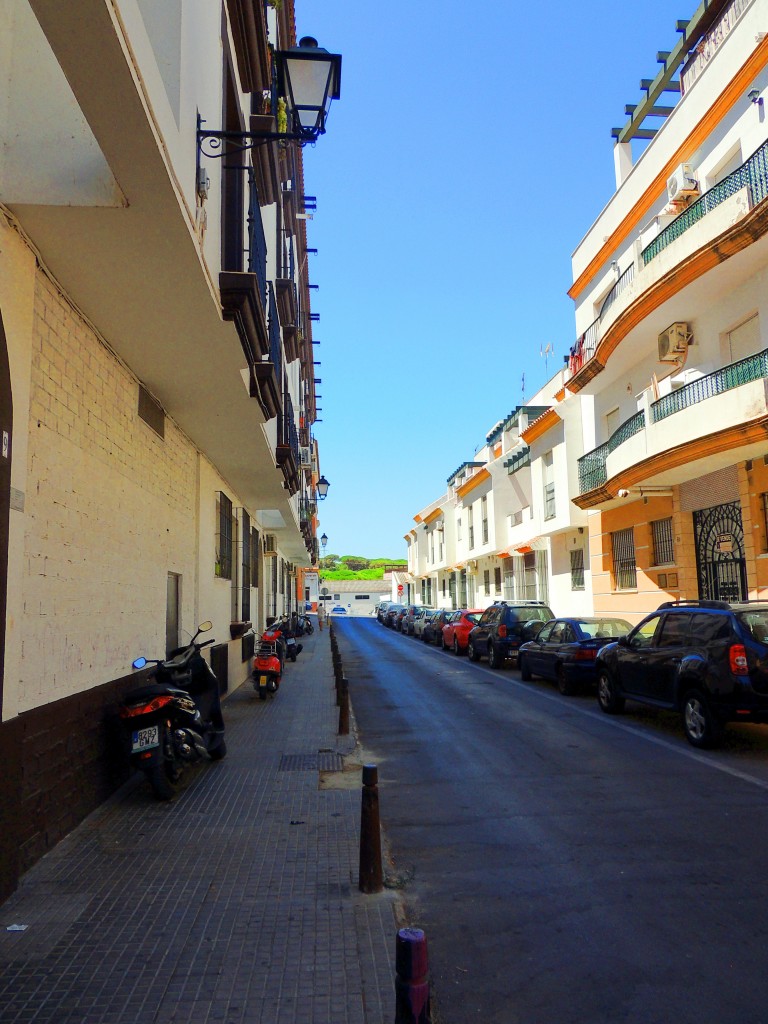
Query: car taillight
point(502, 632)
point(585, 654)
point(145, 709)
point(738, 659)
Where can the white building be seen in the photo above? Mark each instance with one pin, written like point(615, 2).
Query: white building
point(156, 369)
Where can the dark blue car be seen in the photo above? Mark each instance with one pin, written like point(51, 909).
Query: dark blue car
point(565, 650)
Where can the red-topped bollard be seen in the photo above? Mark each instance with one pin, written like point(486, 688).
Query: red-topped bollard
point(371, 876)
point(412, 1005)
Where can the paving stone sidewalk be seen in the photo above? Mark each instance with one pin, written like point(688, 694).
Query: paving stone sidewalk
point(237, 902)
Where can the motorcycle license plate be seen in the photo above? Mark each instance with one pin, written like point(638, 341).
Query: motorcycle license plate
point(263, 680)
point(291, 641)
point(144, 739)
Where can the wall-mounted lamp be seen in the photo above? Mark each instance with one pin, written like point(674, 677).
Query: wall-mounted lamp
point(324, 541)
point(308, 79)
point(754, 97)
point(322, 488)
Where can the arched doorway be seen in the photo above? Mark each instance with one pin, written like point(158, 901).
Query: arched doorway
point(720, 561)
point(6, 437)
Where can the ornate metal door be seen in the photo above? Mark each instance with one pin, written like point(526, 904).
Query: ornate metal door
point(720, 562)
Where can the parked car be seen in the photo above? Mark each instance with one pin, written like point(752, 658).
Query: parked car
point(706, 659)
point(420, 623)
point(399, 618)
point(565, 650)
point(456, 630)
point(503, 627)
point(433, 629)
point(381, 611)
point(411, 620)
point(411, 611)
point(392, 611)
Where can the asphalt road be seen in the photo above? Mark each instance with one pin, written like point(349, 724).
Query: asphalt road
point(567, 866)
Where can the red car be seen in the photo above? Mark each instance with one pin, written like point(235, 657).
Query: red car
point(456, 630)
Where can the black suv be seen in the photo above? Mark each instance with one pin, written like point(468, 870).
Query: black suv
point(706, 659)
point(503, 627)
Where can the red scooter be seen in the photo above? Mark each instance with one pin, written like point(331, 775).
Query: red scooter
point(268, 666)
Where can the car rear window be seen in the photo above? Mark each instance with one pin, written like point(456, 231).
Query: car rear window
point(756, 623)
point(529, 613)
point(473, 616)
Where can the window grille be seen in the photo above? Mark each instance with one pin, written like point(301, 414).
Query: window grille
point(254, 557)
point(224, 536)
point(549, 486)
point(471, 523)
point(245, 605)
point(487, 580)
point(497, 579)
point(624, 565)
point(663, 544)
point(577, 569)
point(484, 511)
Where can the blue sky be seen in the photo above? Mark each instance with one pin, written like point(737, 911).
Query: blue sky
point(468, 155)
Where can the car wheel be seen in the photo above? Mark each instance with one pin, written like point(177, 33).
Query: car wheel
point(473, 654)
point(702, 726)
point(608, 697)
point(525, 672)
point(495, 658)
point(564, 685)
point(456, 648)
point(442, 643)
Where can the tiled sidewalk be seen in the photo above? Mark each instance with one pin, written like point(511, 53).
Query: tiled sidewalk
point(235, 903)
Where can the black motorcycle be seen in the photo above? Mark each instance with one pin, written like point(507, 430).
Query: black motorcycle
point(175, 720)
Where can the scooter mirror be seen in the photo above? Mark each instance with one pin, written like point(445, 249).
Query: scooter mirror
point(139, 663)
point(205, 626)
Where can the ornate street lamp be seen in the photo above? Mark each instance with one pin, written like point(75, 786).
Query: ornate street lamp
point(322, 488)
point(308, 79)
point(324, 541)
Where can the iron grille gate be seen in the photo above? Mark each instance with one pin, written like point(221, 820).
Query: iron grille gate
point(720, 562)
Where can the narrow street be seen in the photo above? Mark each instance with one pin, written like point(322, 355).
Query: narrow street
point(566, 866)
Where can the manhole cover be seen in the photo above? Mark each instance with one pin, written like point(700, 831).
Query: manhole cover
point(322, 761)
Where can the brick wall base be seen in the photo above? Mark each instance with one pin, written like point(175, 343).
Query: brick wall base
point(57, 764)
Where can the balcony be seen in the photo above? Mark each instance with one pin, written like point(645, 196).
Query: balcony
point(708, 238)
point(753, 175)
point(268, 373)
point(715, 420)
point(287, 451)
point(593, 470)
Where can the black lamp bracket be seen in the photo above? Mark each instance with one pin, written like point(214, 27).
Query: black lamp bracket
point(215, 145)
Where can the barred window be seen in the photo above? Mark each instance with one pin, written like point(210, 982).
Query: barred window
point(549, 486)
point(577, 569)
point(497, 579)
point(245, 604)
point(254, 557)
point(223, 536)
point(484, 511)
point(624, 565)
point(663, 545)
point(487, 580)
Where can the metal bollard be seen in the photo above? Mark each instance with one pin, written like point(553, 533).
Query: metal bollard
point(344, 707)
point(371, 877)
point(412, 1003)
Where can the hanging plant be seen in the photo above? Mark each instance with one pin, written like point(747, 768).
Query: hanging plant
point(276, 5)
point(282, 116)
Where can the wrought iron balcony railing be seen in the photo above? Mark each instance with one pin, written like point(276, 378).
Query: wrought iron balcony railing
point(257, 242)
point(275, 349)
point(592, 466)
point(753, 174)
point(626, 278)
point(728, 377)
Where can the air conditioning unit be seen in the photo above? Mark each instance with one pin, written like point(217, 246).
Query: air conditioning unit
point(673, 343)
point(305, 455)
point(682, 183)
